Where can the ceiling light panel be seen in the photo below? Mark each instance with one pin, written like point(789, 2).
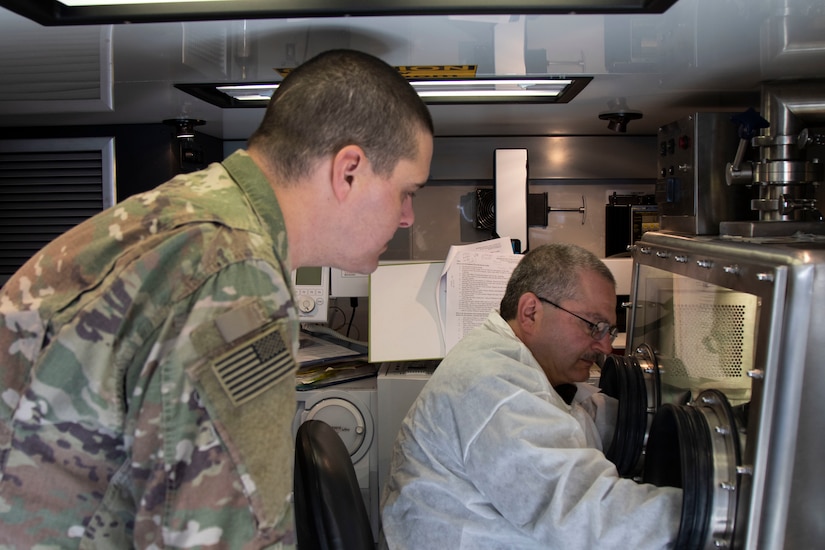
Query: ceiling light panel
point(432, 91)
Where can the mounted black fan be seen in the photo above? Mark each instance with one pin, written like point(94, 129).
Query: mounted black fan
point(485, 209)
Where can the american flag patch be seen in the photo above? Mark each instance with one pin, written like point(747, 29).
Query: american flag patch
point(249, 370)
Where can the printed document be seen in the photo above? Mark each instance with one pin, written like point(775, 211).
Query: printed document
point(471, 285)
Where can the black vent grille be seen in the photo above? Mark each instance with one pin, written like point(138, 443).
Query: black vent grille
point(43, 193)
point(485, 209)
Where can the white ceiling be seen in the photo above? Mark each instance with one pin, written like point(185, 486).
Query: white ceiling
point(700, 55)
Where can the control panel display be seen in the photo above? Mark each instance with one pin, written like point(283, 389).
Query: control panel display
point(311, 293)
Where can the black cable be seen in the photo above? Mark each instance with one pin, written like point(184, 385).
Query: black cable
point(353, 301)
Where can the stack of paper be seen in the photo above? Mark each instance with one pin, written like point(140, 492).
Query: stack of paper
point(472, 284)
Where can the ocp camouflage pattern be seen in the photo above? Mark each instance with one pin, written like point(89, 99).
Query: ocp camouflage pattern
point(111, 433)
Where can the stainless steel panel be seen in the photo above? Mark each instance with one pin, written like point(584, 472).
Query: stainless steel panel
point(691, 191)
point(781, 488)
point(549, 157)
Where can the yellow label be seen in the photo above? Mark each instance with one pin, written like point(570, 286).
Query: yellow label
point(438, 71)
point(422, 71)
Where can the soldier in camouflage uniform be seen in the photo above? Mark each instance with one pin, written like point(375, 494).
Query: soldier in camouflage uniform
point(147, 355)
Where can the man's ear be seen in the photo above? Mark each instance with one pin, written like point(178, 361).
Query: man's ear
point(529, 312)
point(346, 165)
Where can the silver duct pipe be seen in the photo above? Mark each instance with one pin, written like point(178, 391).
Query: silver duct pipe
point(792, 107)
point(783, 173)
point(784, 176)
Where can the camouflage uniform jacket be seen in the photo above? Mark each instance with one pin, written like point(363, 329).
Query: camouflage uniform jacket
point(147, 374)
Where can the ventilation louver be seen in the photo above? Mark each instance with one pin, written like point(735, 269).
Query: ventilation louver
point(46, 188)
point(48, 70)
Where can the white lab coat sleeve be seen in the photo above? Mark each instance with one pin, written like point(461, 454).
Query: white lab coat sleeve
point(530, 458)
point(602, 408)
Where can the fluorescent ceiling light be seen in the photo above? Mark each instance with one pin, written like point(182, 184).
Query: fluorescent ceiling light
point(249, 92)
point(491, 88)
point(75, 3)
point(99, 12)
point(525, 89)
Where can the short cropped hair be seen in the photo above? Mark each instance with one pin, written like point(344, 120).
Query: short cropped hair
point(335, 99)
point(552, 272)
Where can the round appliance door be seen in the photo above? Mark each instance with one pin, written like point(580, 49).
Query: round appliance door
point(344, 414)
point(698, 447)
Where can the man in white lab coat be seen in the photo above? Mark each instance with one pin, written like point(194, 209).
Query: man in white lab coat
point(503, 447)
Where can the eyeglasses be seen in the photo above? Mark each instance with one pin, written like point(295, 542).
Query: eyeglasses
point(597, 330)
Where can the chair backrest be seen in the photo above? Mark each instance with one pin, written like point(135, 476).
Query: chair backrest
point(330, 513)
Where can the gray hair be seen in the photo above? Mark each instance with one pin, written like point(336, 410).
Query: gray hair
point(335, 99)
point(552, 272)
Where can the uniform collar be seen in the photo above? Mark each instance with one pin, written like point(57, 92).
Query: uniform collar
point(256, 186)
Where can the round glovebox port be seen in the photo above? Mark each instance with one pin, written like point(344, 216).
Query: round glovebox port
point(696, 447)
point(622, 378)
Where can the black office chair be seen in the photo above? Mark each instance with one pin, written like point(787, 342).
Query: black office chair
point(330, 513)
